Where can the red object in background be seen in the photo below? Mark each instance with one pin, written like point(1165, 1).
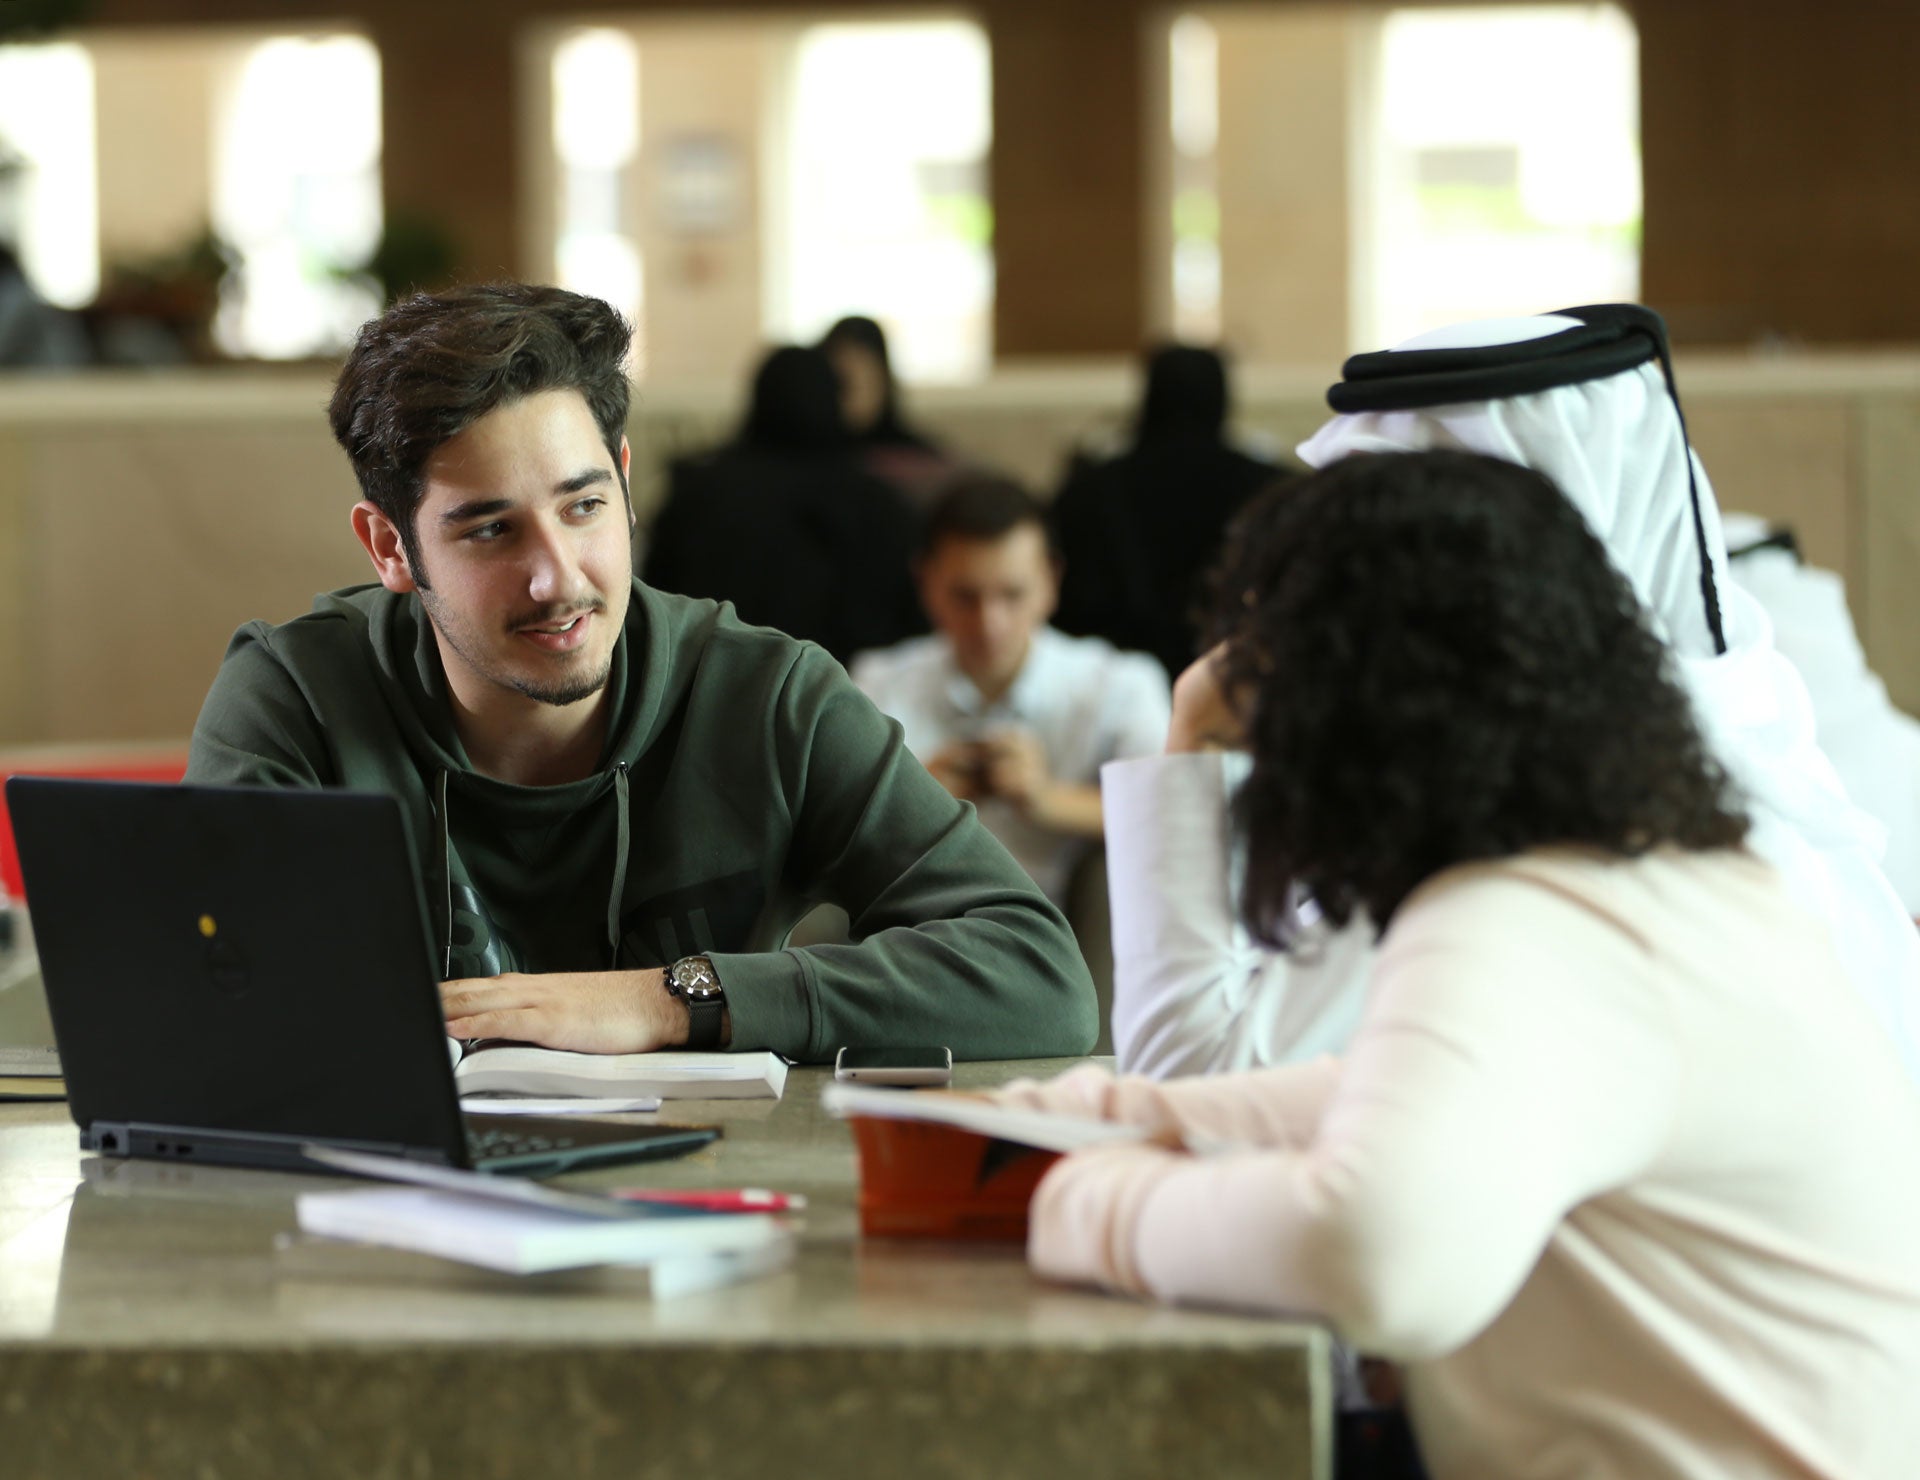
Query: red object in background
point(95, 762)
point(923, 1180)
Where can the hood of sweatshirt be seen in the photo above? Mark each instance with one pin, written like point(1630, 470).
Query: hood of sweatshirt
point(493, 839)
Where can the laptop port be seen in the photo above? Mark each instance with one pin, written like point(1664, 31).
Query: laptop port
point(181, 1148)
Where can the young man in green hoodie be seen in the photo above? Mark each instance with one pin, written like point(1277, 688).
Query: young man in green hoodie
point(623, 800)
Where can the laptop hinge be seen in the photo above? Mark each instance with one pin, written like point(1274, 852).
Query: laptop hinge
point(229, 1147)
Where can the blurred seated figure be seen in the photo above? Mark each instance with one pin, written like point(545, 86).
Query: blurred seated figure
point(1138, 531)
point(784, 523)
point(1874, 747)
point(870, 401)
point(1616, 1163)
point(34, 334)
point(1006, 712)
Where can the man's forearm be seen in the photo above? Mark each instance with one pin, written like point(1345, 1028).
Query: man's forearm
point(1064, 808)
point(583, 1011)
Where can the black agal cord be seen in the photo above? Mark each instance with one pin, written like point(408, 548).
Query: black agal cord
point(1611, 338)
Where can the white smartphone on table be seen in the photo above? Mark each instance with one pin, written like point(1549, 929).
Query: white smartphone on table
point(909, 1067)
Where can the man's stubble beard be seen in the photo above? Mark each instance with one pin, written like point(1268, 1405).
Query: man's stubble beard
point(560, 692)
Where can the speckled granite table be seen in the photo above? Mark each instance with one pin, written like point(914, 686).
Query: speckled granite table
point(161, 1321)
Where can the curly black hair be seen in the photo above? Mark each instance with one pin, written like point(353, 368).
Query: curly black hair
point(1437, 663)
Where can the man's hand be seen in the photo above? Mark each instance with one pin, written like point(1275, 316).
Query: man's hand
point(1203, 717)
point(1016, 766)
point(1017, 771)
point(586, 1011)
point(958, 768)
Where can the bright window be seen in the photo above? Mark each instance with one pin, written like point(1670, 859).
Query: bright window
point(885, 209)
point(596, 133)
point(1194, 96)
point(48, 207)
point(1508, 164)
point(297, 193)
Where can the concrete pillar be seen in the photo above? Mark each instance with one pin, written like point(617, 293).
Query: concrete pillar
point(710, 95)
point(1069, 177)
point(155, 99)
point(449, 155)
point(1779, 169)
point(1291, 161)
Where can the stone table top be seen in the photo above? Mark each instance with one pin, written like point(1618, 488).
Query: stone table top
point(165, 1319)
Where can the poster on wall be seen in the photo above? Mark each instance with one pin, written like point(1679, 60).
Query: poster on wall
point(701, 184)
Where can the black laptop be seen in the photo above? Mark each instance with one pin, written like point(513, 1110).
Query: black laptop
point(235, 972)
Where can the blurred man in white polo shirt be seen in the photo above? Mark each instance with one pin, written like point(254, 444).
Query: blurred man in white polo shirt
point(1005, 711)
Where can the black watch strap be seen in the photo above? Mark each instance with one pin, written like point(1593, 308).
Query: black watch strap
point(693, 980)
point(703, 1022)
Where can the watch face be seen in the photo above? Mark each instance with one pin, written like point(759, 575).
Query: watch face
point(695, 980)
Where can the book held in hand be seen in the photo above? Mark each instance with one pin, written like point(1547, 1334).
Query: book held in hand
point(937, 1165)
point(492, 1067)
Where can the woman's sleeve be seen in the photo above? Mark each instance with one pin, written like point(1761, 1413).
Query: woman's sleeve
point(1515, 1060)
point(1264, 1107)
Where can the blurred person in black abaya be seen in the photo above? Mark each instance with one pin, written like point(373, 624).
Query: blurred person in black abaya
point(1138, 532)
point(884, 442)
point(784, 523)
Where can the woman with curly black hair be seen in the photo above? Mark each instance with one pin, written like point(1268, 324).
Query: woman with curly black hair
point(1442, 666)
point(1615, 1164)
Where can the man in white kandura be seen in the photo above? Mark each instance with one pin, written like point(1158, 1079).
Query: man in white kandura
point(1874, 746)
point(1583, 397)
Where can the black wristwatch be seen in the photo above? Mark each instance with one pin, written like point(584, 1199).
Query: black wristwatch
point(694, 981)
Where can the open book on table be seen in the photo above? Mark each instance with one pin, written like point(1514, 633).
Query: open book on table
point(496, 1067)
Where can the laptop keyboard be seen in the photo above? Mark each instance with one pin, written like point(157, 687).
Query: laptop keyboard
point(489, 1143)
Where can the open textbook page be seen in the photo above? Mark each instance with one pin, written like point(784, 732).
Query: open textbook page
point(1036, 1128)
point(495, 1067)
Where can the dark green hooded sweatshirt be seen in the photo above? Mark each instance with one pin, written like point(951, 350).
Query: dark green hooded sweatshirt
point(745, 780)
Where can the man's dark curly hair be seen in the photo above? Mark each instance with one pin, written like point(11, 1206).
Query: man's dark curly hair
point(435, 363)
point(1437, 663)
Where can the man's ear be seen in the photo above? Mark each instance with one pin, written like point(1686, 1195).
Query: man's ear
point(380, 538)
point(626, 484)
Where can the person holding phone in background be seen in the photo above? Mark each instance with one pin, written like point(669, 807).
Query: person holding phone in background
point(1006, 712)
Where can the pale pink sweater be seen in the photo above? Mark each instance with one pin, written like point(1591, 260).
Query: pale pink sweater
point(1617, 1165)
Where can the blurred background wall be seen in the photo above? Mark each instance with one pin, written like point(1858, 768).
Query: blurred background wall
point(1024, 191)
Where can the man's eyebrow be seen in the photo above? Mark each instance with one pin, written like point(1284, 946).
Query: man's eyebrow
point(483, 508)
point(582, 480)
point(478, 508)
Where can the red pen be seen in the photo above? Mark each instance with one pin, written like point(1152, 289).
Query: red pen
point(715, 1200)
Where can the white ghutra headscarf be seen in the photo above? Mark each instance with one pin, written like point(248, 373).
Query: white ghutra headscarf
point(1581, 397)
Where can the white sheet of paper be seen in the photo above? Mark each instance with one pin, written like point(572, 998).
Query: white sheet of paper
point(486, 1105)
